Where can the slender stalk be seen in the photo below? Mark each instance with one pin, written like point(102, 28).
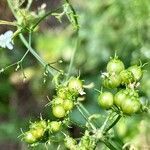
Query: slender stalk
point(92, 126)
point(104, 124)
point(29, 4)
point(3, 22)
point(16, 33)
point(30, 35)
point(72, 58)
point(86, 111)
point(74, 14)
point(3, 69)
point(23, 57)
point(113, 124)
point(43, 17)
point(77, 40)
point(109, 145)
point(26, 43)
point(32, 51)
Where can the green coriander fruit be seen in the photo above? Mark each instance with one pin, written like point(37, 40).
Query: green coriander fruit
point(68, 105)
point(114, 80)
point(132, 93)
point(137, 106)
point(70, 143)
point(29, 137)
point(137, 72)
point(126, 77)
point(128, 106)
point(57, 101)
point(58, 111)
point(55, 126)
point(75, 85)
point(63, 92)
point(105, 100)
point(119, 98)
point(43, 124)
point(39, 124)
point(38, 133)
point(115, 65)
point(106, 83)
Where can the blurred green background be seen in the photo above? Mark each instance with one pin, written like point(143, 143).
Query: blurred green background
point(106, 26)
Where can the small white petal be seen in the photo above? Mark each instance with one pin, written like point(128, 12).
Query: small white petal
point(2, 43)
point(8, 33)
point(1, 37)
point(2, 40)
point(6, 40)
point(9, 46)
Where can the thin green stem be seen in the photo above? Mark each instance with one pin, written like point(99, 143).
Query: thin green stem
point(21, 65)
point(24, 56)
point(21, 60)
point(32, 51)
point(30, 36)
point(113, 124)
point(4, 22)
point(3, 69)
point(29, 4)
point(109, 145)
point(77, 40)
point(74, 14)
point(16, 33)
point(85, 110)
point(104, 124)
point(92, 126)
point(43, 17)
point(22, 69)
point(72, 58)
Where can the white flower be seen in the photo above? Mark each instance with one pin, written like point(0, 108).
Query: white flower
point(6, 40)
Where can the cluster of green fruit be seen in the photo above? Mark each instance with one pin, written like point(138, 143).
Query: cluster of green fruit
point(125, 81)
point(87, 142)
point(64, 101)
point(117, 75)
point(40, 131)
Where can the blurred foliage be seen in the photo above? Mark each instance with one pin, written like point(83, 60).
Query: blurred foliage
point(106, 26)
